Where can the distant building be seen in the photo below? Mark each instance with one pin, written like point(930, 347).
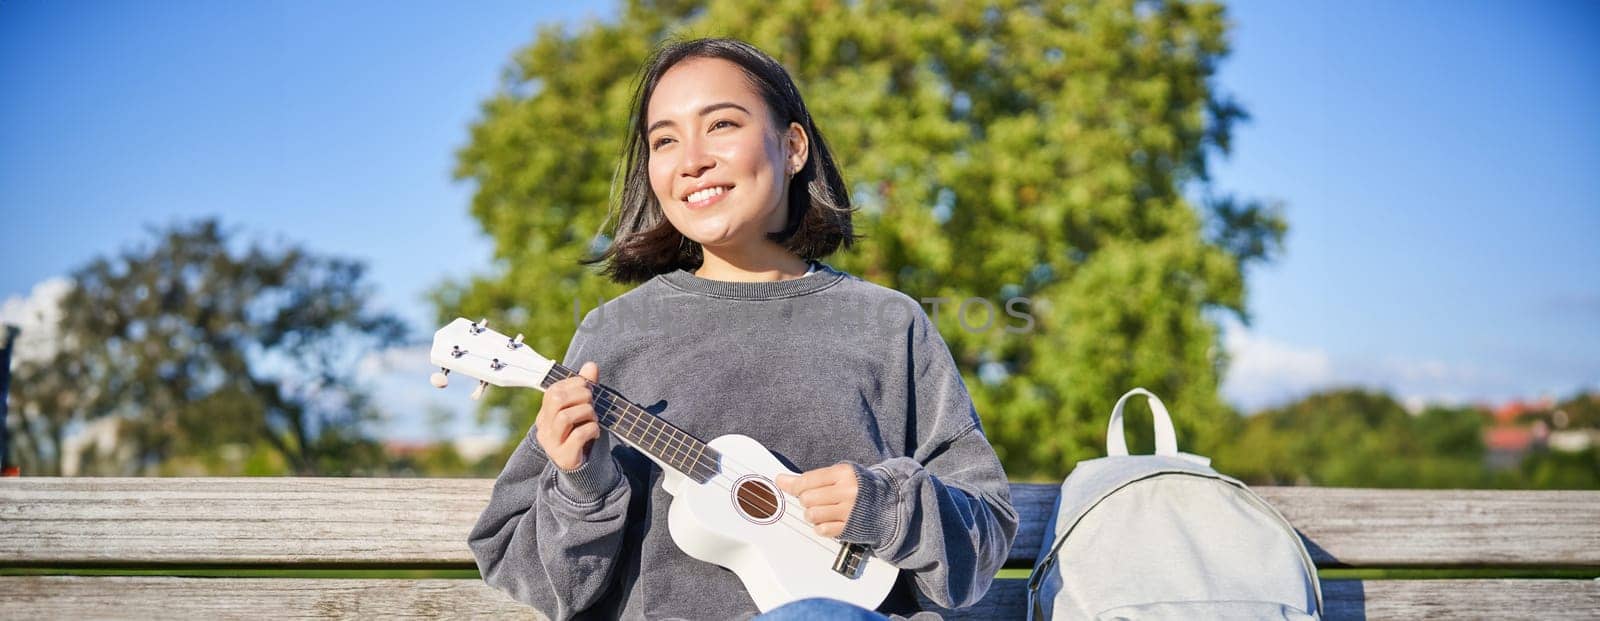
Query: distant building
point(470, 448)
point(1574, 440)
point(406, 448)
point(474, 448)
point(1505, 446)
point(1509, 439)
point(1512, 410)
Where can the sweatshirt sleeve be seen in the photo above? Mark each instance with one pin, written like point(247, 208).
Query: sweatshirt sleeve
point(944, 513)
point(550, 538)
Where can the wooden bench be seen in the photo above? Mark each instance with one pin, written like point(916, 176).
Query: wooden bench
point(184, 525)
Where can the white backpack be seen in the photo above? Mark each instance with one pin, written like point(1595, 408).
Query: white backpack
point(1166, 537)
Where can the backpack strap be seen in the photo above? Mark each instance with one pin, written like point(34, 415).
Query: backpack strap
point(1166, 439)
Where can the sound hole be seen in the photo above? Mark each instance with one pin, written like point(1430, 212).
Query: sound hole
point(757, 499)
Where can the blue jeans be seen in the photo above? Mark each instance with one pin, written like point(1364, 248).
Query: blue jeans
point(820, 608)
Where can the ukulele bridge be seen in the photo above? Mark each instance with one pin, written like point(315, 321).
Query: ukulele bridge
point(848, 561)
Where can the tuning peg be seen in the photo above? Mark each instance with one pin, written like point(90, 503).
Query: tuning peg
point(440, 379)
point(516, 342)
point(477, 393)
point(480, 326)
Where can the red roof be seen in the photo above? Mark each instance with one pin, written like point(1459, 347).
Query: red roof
point(1507, 438)
point(400, 448)
point(1512, 409)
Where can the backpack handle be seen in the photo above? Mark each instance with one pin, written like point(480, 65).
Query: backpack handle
point(1166, 440)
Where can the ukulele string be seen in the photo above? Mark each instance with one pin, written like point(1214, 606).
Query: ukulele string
point(716, 473)
point(789, 519)
point(804, 528)
point(726, 482)
point(615, 401)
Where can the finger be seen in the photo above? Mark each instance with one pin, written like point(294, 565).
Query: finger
point(799, 485)
point(573, 417)
point(577, 413)
point(590, 371)
point(578, 389)
point(553, 423)
point(843, 474)
point(811, 479)
point(575, 388)
point(819, 496)
point(555, 398)
point(824, 477)
point(544, 423)
point(831, 530)
point(787, 483)
point(572, 450)
point(827, 513)
point(571, 391)
point(582, 435)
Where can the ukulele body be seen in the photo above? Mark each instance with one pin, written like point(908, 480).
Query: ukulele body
point(740, 520)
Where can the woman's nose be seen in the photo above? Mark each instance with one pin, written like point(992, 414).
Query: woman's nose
point(696, 160)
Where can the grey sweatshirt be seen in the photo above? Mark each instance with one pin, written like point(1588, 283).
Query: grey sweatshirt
point(822, 369)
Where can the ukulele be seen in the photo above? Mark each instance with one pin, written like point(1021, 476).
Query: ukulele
point(726, 509)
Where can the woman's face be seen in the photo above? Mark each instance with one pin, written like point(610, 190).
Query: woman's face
point(719, 168)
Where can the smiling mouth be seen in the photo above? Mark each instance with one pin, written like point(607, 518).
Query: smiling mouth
point(704, 198)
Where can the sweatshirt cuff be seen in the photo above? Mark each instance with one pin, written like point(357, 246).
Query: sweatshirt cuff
point(875, 518)
point(589, 482)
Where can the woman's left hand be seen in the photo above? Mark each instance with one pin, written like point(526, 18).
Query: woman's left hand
point(827, 494)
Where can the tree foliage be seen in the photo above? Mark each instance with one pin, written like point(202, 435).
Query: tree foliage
point(192, 345)
point(1055, 150)
point(1357, 438)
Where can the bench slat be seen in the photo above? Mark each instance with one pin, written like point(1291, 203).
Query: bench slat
point(239, 521)
point(1350, 527)
point(167, 598)
point(85, 597)
point(1387, 599)
point(424, 523)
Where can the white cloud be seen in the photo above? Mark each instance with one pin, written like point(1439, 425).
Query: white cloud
point(38, 314)
point(391, 360)
point(1416, 382)
point(398, 378)
point(1264, 372)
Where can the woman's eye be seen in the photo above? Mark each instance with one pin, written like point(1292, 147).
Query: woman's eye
point(660, 142)
point(723, 122)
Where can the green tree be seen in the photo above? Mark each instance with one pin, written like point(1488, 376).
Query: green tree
point(1359, 438)
point(1545, 469)
point(194, 343)
point(1051, 150)
point(1581, 411)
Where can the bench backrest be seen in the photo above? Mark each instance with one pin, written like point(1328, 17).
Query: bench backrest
point(307, 523)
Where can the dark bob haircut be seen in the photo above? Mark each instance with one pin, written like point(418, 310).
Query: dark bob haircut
point(645, 243)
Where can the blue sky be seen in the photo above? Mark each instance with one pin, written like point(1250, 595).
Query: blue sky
point(1437, 162)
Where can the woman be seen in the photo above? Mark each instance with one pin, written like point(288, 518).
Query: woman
point(730, 197)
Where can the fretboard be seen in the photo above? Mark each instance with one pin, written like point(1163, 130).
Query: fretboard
point(668, 444)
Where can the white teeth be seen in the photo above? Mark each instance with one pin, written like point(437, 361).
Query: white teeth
point(706, 193)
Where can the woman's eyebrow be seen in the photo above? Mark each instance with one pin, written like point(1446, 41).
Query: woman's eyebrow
point(703, 111)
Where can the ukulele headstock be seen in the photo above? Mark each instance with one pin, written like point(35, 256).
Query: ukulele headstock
point(472, 349)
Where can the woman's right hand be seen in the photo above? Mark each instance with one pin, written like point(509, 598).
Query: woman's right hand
point(566, 425)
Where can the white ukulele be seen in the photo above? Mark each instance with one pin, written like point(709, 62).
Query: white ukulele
point(727, 510)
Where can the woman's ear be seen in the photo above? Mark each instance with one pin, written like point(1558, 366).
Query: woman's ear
point(799, 145)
